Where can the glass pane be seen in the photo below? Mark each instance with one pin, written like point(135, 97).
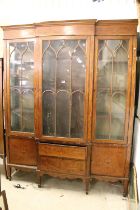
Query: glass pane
point(57, 45)
point(48, 113)
point(102, 102)
point(117, 127)
point(64, 70)
point(120, 67)
point(27, 67)
point(118, 103)
point(102, 127)
point(15, 66)
point(21, 47)
point(82, 44)
point(49, 67)
point(112, 45)
point(112, 76)
point(78, 69)
point(72, 44)
point(104, 74)
point(27, 113)
point(77, 116)
point(15, 121)
point(15, 110)
point(62, 114)
point(21, 83)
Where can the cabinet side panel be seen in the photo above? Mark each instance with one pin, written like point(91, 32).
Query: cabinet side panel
point(1, 111)
point(132, 101)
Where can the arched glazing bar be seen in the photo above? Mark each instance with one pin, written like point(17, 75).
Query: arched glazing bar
point(112, 72)
point(64, 67)
point(22, 82)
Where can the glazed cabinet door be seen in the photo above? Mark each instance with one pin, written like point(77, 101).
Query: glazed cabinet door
point(112, 88)
point(20, 87)
point(63, 88)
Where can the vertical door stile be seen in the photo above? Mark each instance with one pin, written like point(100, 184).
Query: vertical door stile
point(129, 88)
point(7, 85)
point(36, 87)
point(40, 63)
point(70, 96)
point(55, 80)
point(131, 101)
point(94, 90)
point(90, 70)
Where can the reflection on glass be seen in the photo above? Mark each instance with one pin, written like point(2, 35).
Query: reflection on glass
point(102, 127)
point(78, 70)
point(121, 66)
point(118, 103)
point(21, 83)
point(72, 44)
point(27, 107)
point(49, 113)
point(117, 127)
point(57, 45)
point(102, 104)
point(77, 115)
point(111, 95)
point(104, 72)
point(64, 69)
point(49, 66)
point(15, 110)
point(62, 114)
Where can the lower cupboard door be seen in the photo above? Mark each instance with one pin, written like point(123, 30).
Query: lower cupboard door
point(22, 151)
point(108, 161)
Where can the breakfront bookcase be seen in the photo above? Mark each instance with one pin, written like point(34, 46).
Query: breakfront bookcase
point(69, 98)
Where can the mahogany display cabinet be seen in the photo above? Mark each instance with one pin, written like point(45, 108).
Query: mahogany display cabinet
point(70, 98)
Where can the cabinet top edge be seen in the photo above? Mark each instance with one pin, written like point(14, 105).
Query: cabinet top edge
point(121, 21)
point(71, 22)
point(51, 23)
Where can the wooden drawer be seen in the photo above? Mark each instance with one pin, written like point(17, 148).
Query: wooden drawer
point(71, 152)
point(61, 165)
point(22, 151)
point(108, 161)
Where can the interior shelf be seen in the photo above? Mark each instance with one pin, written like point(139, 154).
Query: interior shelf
point(25, 110)
point(112, 61)
point(23, 87)
point(107, 89)
point(104, 137)
point(113, 115)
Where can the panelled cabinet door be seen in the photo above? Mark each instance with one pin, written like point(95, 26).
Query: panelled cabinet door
point(21, 86)
point(63, 95)
point(113, 69)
